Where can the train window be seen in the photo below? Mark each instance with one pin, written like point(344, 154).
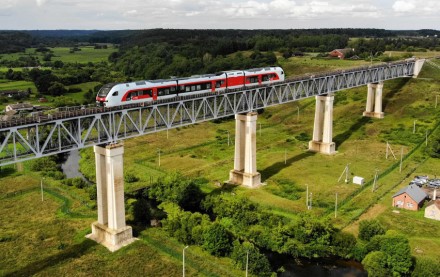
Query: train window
point(265, 78)
point(148, 92)
point(208, 85)
point(199, 87)
point(187, 88)
point(282, 72)
point(134, 94)
point(193, 88)
point(173, 89)
point(182, 88)
point(252, 79)
point(115, 93)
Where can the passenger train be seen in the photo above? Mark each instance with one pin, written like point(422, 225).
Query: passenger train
point(116, 94)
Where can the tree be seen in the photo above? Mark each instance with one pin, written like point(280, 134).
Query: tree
point(376, 264)
point(369, 229)
point(258, 263)
point(398, 251)
point(217, 240)
point(56, 89)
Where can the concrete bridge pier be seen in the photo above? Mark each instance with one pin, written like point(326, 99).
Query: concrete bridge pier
point(245, 160)
point(322, 141)
point(374, 98)
point(110, 229)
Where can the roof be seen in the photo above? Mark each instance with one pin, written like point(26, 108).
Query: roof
point(436, 203)
point(19, 106)
point(343, 51)
point(416, 193)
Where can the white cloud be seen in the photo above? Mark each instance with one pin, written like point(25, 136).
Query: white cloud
point(41, 2)
point(403, 6)
point(130, 12)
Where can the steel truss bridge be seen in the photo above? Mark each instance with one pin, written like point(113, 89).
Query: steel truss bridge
point(63, 131)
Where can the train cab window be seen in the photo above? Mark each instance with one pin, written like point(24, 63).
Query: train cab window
point(282, 72)
point(163, 91)
point(148, 92)
point(265, 78)
point(115, 93)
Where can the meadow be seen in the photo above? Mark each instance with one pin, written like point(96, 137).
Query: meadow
point(55, 228)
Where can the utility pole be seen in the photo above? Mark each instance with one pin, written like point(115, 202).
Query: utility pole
point(158, 151)
point(401, 159)
point(307, 197)
point(183, 259)
point(42, 195)
point(311, 194)
point(247, 262)
point(297, 117)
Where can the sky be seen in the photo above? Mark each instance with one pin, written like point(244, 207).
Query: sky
point(216, 14)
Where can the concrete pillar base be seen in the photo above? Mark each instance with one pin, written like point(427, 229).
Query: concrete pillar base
point(373, 114)
point(245, 179)
point(322, 147)
point(110, 238)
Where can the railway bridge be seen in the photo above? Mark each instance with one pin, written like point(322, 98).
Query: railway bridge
point(105, 128)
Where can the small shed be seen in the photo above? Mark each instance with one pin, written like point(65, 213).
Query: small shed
point(358, 180)
point(410, 198)
point(432, 211)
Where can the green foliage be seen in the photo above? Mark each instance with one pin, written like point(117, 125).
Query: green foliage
point(376, 264)
point(187, 227)
point(217, 240)
point(77, 182)
point(140, 211)
point(177, 189)
point(426, 267)
point(344, 244)
point(287, 189)
point(258, 263)
point(44, 164)
point(370, 228)
point(130, 177)
point(433, 148)
point(397, 249)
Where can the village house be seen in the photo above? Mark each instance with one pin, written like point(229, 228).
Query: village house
point(340, 53)
point(410, 198)
point(432, 211)
point(20, 107)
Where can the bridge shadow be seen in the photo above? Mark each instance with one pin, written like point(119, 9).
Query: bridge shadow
point(401, 82)
point(341, 138)
point(72, 252)
point(277, 167)
point(6, 171)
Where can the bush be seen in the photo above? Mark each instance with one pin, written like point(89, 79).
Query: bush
point(130, 178)
point(375, 263)
point(217, 240)
point(369, 229)
point(258, 263)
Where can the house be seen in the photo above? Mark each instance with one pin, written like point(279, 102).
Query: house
point(432, 211)
point(19, 107)
point(410, 198)
point(340, 53)
point(14, 93)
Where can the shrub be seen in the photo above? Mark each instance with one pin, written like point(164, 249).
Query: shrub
point(369, 229)
point(217, 240)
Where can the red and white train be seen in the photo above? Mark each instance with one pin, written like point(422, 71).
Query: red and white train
point(116, 94)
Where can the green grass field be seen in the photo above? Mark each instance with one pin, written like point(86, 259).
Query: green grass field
point(57, 228)
point(87, 54)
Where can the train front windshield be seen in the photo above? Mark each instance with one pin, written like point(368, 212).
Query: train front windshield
point(105, 90)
